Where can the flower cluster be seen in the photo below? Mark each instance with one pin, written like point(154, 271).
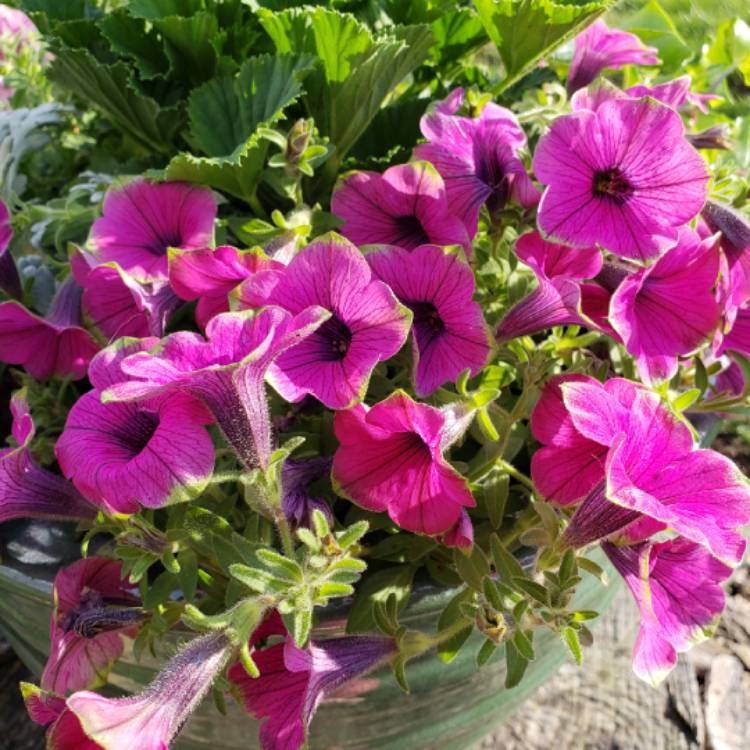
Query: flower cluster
point(241, 430)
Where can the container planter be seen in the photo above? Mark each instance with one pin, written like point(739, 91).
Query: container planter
point(450, 706)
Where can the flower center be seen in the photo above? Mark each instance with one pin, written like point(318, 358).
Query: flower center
point(134, 436)
point(410, 232)
point(162, 242)
point(96, 614)
point(613, 185)
point(336, 339)
point(426, 317)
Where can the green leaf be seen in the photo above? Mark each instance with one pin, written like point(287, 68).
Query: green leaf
point(535, 590)
point(506, 565)
point(280, 566)
point(377, 587)
point(495, 497)
point(486, 652)
point(450, 616)
point(457, 33)
point(188, 575)
point(515, 665)
point(352, 534)
point(108, 88)
point(130, 38)
point(570, 637)
point(473, 568)
point(526, 30)
point(523, 644)
point(339, 40)
point(655, 28)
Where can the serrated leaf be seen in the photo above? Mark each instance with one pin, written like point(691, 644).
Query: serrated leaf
point(130, 37)
point(524, 31)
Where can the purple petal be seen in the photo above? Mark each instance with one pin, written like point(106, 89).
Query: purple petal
point(10, 282)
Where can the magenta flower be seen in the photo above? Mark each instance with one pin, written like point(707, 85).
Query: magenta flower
point(558, 298)
point(598, 47)
point(225, 372)
point(10, 282)
point(64, 731)
point(53, 345)
point(735, 244)
point(568, 465)
point(17, 26)
point(26, 489)
point(478, 161)
point(390, 458)
point(142, 220)
point(366, 325)
point(296, 501)
point(209, 275)
point(677, 586)
point(123, 456)
point(652, 469)
point(294, 681)
point(623, 177)
point(94, 608)
point(737, 339)
point(405, 206)
point(668, 309)
point(152, 719)
point(449, 334)
point(120, 305)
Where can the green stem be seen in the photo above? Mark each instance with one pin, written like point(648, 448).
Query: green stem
point(517, 475)
point(285, 532)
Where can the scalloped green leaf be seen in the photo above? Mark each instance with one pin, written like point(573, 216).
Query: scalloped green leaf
point(524, 31)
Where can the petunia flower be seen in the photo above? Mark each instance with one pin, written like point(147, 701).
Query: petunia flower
point(120, 305)
point(124, 456)
point(623, 177)
point(94, 608)
point(366, 325)
point(152, 719)
point(225, 371)
point(64, 731)
point(598, 48)
point(568, 465)
point(26, 489)
point(10, 282)
point(559, 296)
point(735, 244)
point(737, 339)
point(406, 206)
point(390, 459)
point(653, 469)
point(478, 161)
point(294, 681)
point(677, 586)
point(142, 220)
point(449, 334)
point(296, 477)
point(210, 274)
point(668, 309)
point(56, 344)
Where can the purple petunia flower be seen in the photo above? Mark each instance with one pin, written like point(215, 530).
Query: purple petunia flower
point(677, 586)
point(296, 478)
point(26, 489)
point(120, 305)
point(652, 469)
point(10, 281)
point(405, 206)
point(390, 458)
point(366, 325)
point(560, 297)
point(142, 220)
point(737, 338)
point(735, 244)
point(53, 345)
point(94, 608)
point(153, 718)
point(598, 47)
point(225, 371)
point(669, 308)
point(478, 160)
point(209, 275)
point(122, 456)
point(623, 177)
point(449, 334)
point(294, 681)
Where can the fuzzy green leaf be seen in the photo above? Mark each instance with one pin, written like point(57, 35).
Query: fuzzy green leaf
point(377, 587)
